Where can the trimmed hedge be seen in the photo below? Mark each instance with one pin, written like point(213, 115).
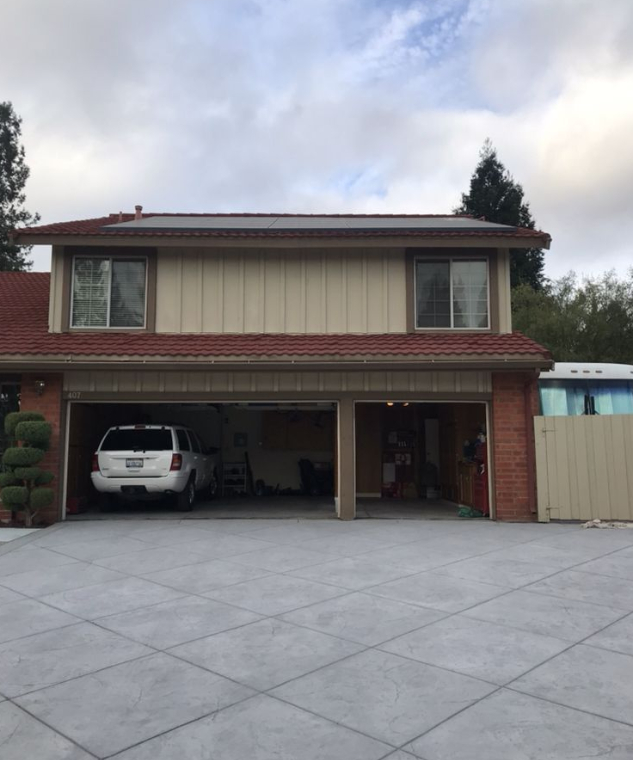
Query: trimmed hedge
point(15, 496)
point(7, 479)
point(21, 486)
point(40, 497)
point(28, 473)
point(23, 457)
point(36, 434)
point(14, 418)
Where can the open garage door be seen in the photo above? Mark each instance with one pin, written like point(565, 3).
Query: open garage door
point(272, 459)
point(422, 459)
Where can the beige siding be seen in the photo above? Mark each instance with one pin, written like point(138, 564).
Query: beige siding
point(55, 305)
point(583, 467)
point(503, 291)
point(309, 291)
point(207, 384)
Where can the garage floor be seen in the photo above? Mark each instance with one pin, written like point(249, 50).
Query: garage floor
point(316, 639)
point(276, 508)
point(285, 507)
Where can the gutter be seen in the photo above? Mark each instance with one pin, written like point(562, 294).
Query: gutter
point(392, 363)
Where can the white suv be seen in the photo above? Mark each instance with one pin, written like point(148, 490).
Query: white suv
point(150, 461)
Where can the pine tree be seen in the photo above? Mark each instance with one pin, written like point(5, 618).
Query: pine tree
point(13, 176)
point(496, 197)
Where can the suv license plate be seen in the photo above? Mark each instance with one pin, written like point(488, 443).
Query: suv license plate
point(134, 463)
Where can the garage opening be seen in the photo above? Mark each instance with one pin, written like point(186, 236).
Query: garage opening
point(424, 459)
point(266, 459)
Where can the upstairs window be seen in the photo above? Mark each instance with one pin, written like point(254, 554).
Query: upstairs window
point(108, 292)
point(451, 294)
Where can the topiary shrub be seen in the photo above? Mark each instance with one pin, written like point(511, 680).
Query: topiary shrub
point(22, 483)
point(34, 433)
point(12, 420)
point(21, 457)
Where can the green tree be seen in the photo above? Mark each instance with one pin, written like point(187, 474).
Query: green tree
point(23, 483)
point(13, 176)
point(495, 196)
point(591, 321)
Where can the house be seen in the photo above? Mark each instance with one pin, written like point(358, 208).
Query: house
point(377, 348)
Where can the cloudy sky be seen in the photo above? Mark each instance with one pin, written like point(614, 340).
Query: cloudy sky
point(328, 106)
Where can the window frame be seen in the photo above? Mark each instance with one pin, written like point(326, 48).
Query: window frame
point(111, 259)
point(196, 446)
point(186, 439)
point(449, 260)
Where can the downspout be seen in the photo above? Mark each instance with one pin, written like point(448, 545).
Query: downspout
point(531, 450)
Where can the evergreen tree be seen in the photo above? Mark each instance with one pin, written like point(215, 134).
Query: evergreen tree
point(495, 196)
point(13, 176)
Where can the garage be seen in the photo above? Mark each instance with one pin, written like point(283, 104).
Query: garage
point(267, 458)
point(421, 458)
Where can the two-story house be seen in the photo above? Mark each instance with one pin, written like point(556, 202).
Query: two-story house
point(379, 349)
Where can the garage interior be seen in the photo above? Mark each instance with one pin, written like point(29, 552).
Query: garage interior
point(421, 459)
point(413, 459)
point(270, 457)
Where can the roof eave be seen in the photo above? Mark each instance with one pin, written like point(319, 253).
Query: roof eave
point(285, 240)
point(465, 362)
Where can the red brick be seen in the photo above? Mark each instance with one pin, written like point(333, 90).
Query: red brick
point(513, 442)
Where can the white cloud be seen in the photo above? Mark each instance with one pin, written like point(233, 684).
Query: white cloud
point(332, 105)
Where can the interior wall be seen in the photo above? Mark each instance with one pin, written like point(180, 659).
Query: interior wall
point(204, 419)
point(455, 424)
point(273, 466)
point(216, 426)
point(87, 426)
point(458, 423)
point(368, 449)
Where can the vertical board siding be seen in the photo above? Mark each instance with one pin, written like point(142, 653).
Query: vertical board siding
point(268, 291)
point(583, 467)
point(503, 290)
point(56, 299)
point(166, 302)
point(210, 382)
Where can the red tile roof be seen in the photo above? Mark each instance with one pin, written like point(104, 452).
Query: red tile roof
point(94, 227)
point(24, 331)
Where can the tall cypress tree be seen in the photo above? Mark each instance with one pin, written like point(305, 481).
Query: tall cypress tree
point(13, 176)
point(495, 196)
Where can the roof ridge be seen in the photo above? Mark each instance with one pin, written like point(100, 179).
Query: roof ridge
point(303, 215)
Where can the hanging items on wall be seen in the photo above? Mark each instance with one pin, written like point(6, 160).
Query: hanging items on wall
point(398, 479)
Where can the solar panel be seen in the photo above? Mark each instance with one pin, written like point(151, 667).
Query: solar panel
point(343, 223)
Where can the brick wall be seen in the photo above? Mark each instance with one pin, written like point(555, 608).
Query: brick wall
point(514, 395)
point(50, 405)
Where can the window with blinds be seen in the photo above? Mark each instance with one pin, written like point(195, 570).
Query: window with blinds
point(451, 294)
point(108, 292)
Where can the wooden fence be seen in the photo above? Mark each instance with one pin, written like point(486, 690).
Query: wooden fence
point(584, 467)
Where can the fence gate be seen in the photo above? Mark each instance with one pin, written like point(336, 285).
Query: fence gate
point(584, 467)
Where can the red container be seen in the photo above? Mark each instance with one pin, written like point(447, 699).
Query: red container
point(72, 505)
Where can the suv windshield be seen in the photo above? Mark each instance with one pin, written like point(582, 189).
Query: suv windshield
point(141, 439)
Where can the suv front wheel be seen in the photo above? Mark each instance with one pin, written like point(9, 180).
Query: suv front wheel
point(186, 499)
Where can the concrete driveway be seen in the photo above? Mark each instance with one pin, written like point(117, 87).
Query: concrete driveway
point(316, 640)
